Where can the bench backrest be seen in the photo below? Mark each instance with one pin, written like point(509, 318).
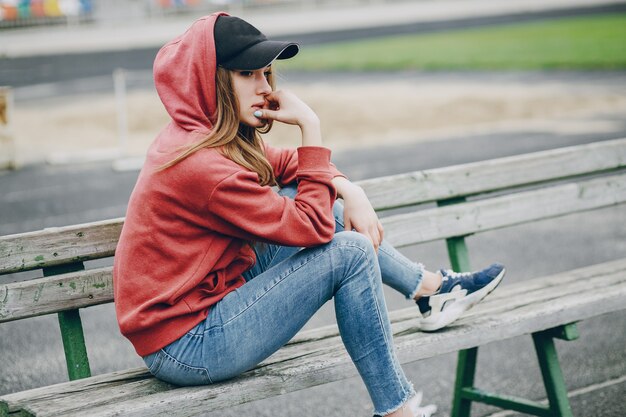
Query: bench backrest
point(538, 186)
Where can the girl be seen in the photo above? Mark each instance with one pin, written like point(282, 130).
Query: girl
point(215, 271)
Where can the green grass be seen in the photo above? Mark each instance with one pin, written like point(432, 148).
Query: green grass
point(595, 42)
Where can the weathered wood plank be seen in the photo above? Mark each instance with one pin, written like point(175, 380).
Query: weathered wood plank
point(497, 174)
point(58, 245)
point(13, 402)
point(311, 360)
point(114, 392)
point(19, 300)
point(243, 389)
point(494, 213)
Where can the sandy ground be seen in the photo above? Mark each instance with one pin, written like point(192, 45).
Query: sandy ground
point(352, 114)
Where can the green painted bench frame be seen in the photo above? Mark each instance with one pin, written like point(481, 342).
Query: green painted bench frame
point(446, 186)
point(464, 391)
point(72, 335)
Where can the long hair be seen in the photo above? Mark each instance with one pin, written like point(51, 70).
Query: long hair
point(238, 142)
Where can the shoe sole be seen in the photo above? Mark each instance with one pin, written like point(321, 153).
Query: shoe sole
point(452, 313)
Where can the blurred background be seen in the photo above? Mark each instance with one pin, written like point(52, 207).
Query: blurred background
point(399, 86)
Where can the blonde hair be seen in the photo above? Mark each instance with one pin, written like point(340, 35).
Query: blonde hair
point(238, 142)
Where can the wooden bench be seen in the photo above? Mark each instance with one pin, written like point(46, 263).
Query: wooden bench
point(470, 198)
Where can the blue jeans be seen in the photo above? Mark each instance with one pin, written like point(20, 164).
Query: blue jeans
point(284, 289)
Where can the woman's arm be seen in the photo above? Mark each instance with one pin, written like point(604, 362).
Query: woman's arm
point(287, 108)
point(359, 215)
point(284, 161)
point(239, 206)
point(358, 212)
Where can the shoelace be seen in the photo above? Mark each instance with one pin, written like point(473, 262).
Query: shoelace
point(448, 272)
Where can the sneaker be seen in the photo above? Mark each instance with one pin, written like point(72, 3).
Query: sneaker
point(419, 410)
point(458, 293)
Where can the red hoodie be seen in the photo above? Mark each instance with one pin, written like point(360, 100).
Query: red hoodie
point(183, 245)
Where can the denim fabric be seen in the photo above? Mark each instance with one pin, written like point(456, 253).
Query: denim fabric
point(284, 289)
point(398, 272)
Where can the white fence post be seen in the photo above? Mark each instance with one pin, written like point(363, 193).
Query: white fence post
point(119, 80)
point(7, 139)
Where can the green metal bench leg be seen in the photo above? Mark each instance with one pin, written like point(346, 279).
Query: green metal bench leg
point(465, 371)
point(72, 330)
point(553, 380)
point(466, 365)
point(74, 345)
point(556, 390)
point(464, 391)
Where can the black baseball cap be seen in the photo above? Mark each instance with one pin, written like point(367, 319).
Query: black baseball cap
point(241, 46)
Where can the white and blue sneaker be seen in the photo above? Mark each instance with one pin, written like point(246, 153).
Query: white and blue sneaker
point(419, 410)
point(458, 293)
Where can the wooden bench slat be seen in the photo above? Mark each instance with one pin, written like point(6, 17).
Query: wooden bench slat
point(512, 311)
point(56, 246)
point(59, 245)
point(12, 403)
point(497, 174)
point(46, 295)
point(192, 401)
point(509, 210)
point(114, 392)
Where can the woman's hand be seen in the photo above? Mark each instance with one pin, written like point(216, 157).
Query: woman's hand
point(284, 106)
point(358, 213)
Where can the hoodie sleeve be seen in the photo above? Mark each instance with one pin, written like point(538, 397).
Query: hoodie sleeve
point(249, 211)
point(285, 164)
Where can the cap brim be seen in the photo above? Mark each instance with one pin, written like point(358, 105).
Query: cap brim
point(261, 55)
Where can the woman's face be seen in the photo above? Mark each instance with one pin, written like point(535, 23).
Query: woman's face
point(251, 89)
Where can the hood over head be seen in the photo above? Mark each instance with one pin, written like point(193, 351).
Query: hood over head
point(184, 76)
